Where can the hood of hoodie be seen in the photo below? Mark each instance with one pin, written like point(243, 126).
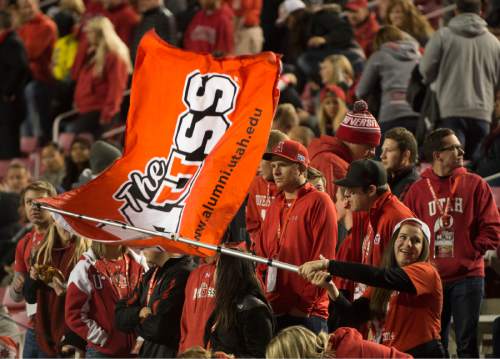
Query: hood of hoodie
point(468, 25)
point(403, 50)
point(329, 144)
point(429, 173)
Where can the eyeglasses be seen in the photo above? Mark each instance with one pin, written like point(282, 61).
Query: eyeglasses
point(459, 148)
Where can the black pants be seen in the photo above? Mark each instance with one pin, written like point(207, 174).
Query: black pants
point(432, 349)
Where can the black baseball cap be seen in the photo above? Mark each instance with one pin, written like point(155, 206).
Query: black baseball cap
point(363, 173)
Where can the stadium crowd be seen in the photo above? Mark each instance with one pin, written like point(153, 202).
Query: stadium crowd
point(376, 181)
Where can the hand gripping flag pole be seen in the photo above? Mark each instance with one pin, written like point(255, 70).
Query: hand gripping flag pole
point(175, 237)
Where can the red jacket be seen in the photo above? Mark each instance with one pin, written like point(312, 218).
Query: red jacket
point(311, 230)
point(348, 343)
point(249, 10)
point(39, 36)
point(260, 196)
point(475, 219)
point(365, 33)
point(124, 19)
point(104, 93)
point(385, 213)
point(90, 304)
point(211, 32)
point(199, 303)
point(330, 156)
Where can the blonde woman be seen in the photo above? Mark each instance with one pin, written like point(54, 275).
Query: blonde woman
point(405, 16)
point(299, 342)
point(337, 70)
point(101, 78)
point(332, 109)
point(53, 261)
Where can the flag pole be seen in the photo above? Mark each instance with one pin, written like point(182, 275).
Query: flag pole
point(177, 238)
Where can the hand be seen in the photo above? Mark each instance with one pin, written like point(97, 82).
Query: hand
point(308, 269)
point(58, 286)
point(34, 273)
point(321, 279)
point(145, 312)
point(316, 41)
point(18, 282)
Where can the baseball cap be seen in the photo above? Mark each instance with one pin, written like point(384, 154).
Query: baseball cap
point(355, 5)
point(362, 173)
point(286, 8)
point(423, 226)
point(290, 150)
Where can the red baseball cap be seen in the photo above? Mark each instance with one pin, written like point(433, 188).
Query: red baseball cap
point(290, 150)
point(332, 90)
point(355, 5)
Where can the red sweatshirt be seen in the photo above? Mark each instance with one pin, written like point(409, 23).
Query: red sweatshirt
point(348, 343)
point(249, 10)
point(211, 32)
point(199, 303)
point(475, 221)
point(124, 19)
point(24, 248)
point(104, 93)
point(330, 156)
point(385, 213)
point(365, 33)
point(39, 36)
point(91, 299)
point(260, 196)
point(308, 228)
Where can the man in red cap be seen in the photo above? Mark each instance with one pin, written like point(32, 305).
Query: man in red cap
point(357, 137)
point(300, 225)
point(363, 22)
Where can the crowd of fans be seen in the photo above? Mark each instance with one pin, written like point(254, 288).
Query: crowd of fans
point(390, 249)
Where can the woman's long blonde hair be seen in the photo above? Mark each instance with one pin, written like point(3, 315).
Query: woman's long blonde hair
point(414, 22)
point(299, 342)
point(342, 69)
point(335, 122)
point(44, 251)
point(106, 41)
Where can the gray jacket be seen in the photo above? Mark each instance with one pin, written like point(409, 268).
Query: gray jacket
point(389, 69)
point(464, 61)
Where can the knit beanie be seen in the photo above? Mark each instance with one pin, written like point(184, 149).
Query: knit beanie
point(359, 126)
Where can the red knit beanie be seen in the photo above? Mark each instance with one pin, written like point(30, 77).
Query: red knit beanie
point(359, 126)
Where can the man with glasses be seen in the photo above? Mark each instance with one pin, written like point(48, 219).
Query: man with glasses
point(367, 190)
point(460, 210)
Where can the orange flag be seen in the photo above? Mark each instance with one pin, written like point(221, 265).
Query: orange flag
point(196, 130)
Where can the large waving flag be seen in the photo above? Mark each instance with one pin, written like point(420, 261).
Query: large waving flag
point(196, 131)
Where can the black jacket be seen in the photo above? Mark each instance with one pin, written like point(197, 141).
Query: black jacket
point(162, 20)
point(252, 334)
point(402, 180)
point(161, 330)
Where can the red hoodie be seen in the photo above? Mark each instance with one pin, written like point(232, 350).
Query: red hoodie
point(348, 343)
point(365, 33)
point(249, 10)
point(475, 220)
point(91, 299)
point(210, 32)
point(260, 196)
point(199, 303)
point(124, 19)
point(329, 155)
point(39, 36)
point(103, 93)
point(309, 228)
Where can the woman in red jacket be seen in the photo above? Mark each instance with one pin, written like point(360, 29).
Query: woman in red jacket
point(105, 274)
point(101, 78)
point(405, 299)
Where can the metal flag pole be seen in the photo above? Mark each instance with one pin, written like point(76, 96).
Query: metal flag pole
point(175, 237)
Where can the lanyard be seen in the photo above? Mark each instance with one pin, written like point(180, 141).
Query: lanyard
point(280, 233)
point(443, 211)
point(152, 286)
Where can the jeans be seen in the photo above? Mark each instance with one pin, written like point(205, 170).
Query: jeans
point(31, 348)
point(314, 324)
point(462, 300)
point(38, 117)
point(470, 132)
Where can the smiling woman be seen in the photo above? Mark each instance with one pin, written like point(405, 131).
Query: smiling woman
point(403, 303)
